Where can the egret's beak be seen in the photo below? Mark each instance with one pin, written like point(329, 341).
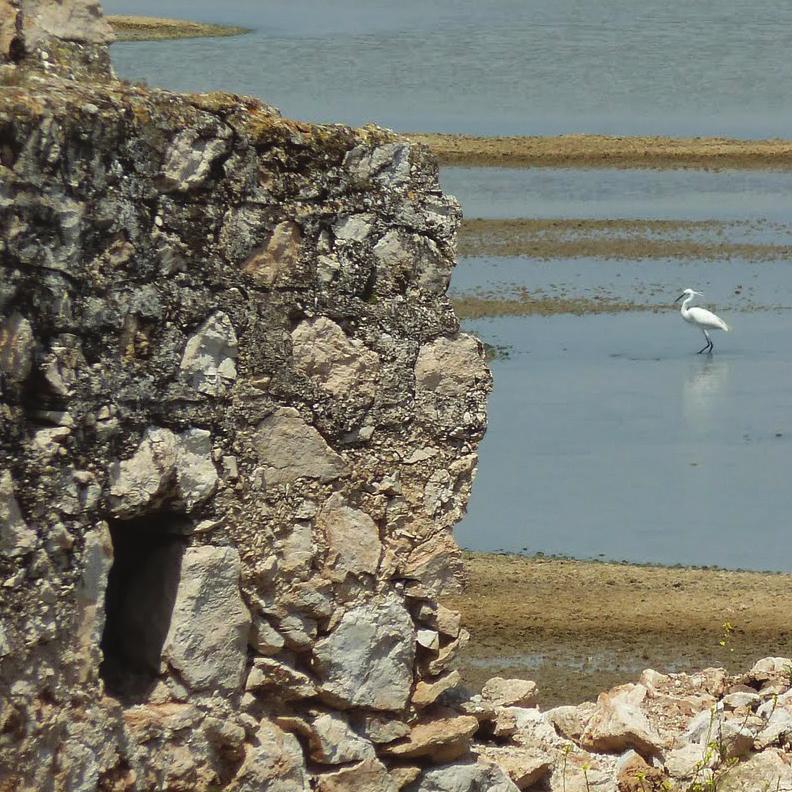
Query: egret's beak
point(680, 297)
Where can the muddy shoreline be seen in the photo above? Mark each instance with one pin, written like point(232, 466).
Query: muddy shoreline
point(578, 627)
point(143, 28)
point(614, 239)
point(600, 151)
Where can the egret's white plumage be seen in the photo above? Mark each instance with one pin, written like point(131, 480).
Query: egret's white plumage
point(701, 317)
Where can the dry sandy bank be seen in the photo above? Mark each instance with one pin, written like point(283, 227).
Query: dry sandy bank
point(607, 152)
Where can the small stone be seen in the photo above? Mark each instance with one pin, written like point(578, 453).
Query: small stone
point(427, 691)
point(367, 660)
point(509, 692)
point(209, 357)
point(264, 638)
point(207, 639)
point(291, 449)
point(369, 775)
point(380, 729)
point(447, 737)
point(16, 539)
point(352, 537)
point(16, 347)
point(271, 676)
point(333, 742)
point(429, 639)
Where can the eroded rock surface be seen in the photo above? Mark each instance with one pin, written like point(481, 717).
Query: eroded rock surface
point(239, 422)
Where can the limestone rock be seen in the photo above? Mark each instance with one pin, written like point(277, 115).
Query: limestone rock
point(509, 692)
point(683, 762)
point(275, 763)
point(367, 660)
point(770, 770)
point(290, 449)
point(98, 558)
point(264, 638)
point(449, 367)
point(72, 20)
point(16, 347)
point(276, 678)
point(571, 721)
point(444, 737)
point(352, 537)
point(343, 366)
point(16, 539)
point(769, 669)
point(166, 469)
point(524, 767)
point(427, 691)
point(467, 777)
point(207, 639)
point(191, 156)
point(208, 359)
point(381, 729)
point(333, 741)
point(633, 774)
point(619, 723)
point(778, 727)
point(388, 164)
point(276, 262)
point(369, 775)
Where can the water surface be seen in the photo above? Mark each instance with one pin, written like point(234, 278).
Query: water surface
point(713, 67)
point(609, 437)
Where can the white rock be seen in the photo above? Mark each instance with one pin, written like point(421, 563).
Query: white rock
point(264, 638)
point(190, 157)
point(343, 366)
point(779, 725)
point(275, 763)
point(429, 639)
point(450, 367)
point(367, 660)
point(166, 469)
point(207, 639)
point(16, 539)
point(465, 777)
point(209, 355)
point(769, 770)
point(353, 228)
point(333, 741)
point(97, 558)
point(369, 775)
point(619, 723)
point(16, 347)
point(352, 537)
point(290, 449)
point(509, 692)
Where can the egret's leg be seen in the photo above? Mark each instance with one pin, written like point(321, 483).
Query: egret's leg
point(708, 346)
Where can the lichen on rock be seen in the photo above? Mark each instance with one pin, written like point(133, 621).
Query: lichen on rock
point(239, 422)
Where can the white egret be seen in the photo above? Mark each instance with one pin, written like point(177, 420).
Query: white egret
point(701, 317)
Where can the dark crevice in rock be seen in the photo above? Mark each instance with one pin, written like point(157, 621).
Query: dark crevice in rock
point(141, 592)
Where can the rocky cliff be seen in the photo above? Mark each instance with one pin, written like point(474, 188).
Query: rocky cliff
point(238, 423)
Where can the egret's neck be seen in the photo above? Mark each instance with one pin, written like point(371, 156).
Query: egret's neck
point(689, 299)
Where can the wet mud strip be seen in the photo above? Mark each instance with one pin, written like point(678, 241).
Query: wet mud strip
point(525, 302)
point(601, 151)
point(578, 627)
point(615, 239)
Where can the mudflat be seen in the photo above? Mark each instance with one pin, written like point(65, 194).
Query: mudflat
point(144, 28)
point(577, 627)
point(607, 151)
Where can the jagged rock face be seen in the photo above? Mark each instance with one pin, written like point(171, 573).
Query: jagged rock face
point(238, 422)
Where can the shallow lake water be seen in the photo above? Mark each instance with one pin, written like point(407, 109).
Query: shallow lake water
point(497, 193)
point(713, 67)
point(609, 437)
point(728, 285)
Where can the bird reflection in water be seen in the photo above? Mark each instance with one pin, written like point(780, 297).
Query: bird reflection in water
point(706, 380)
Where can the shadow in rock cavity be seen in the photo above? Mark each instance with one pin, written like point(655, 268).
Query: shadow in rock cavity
point(139, 601)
